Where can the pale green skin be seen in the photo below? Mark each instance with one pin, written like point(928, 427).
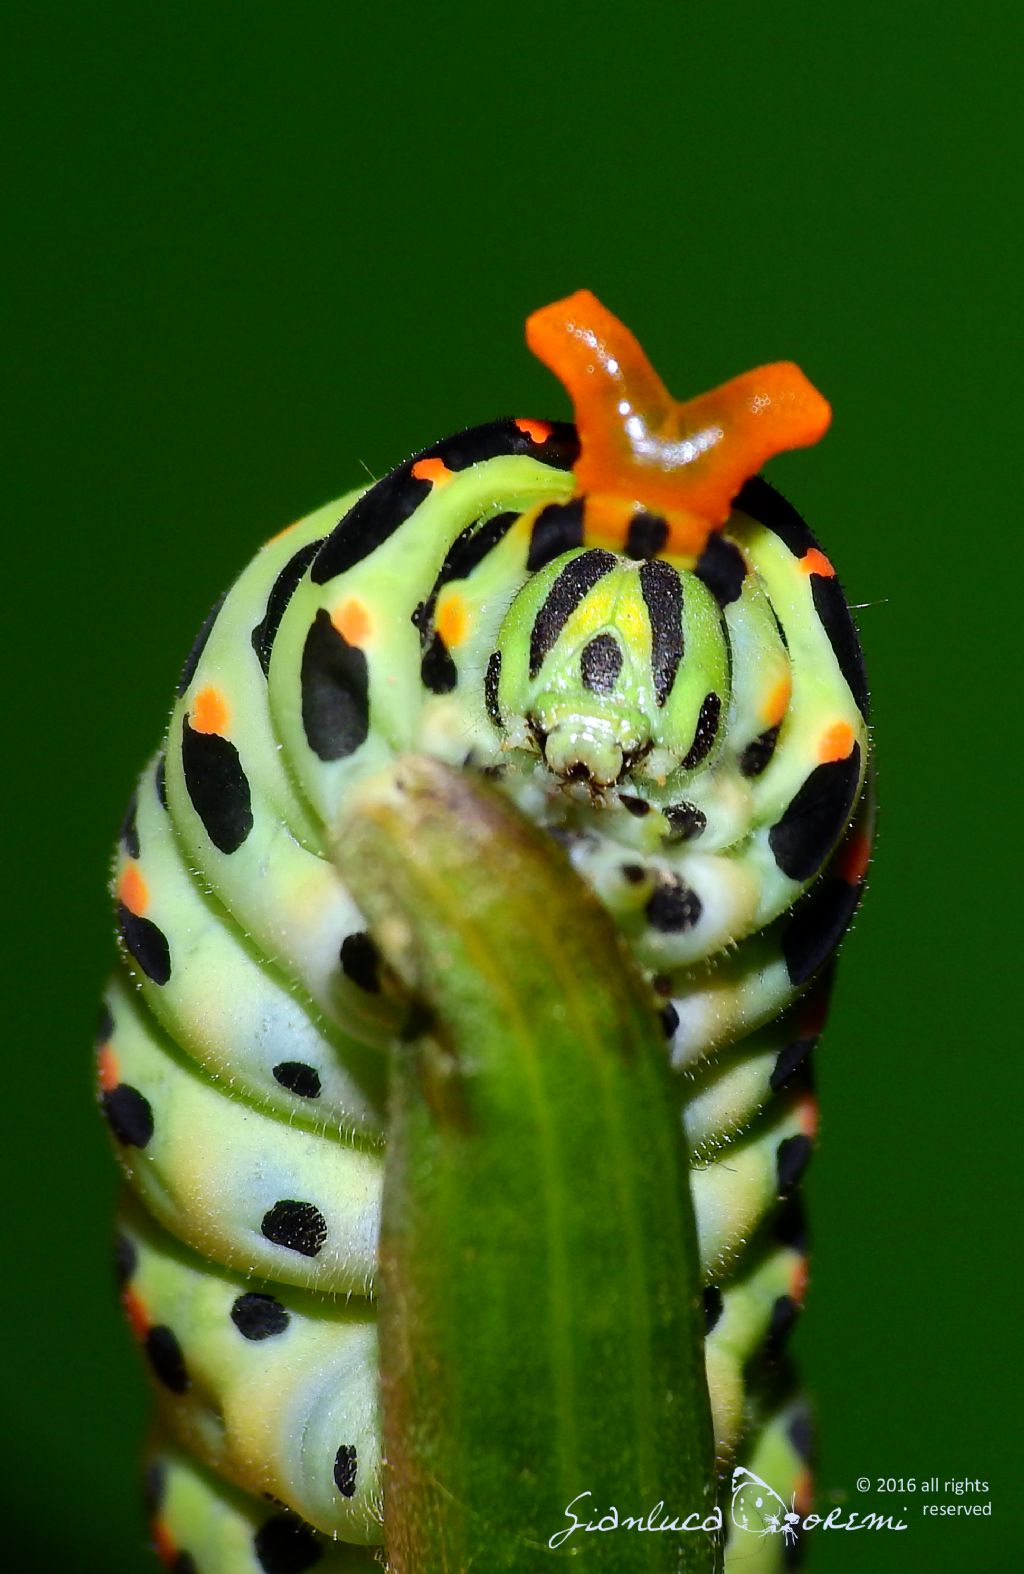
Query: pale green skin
point(255, 936)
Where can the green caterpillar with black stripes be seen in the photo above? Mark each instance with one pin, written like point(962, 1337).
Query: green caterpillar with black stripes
point(617, 632)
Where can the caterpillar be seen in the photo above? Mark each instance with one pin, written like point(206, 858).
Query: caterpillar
point(639, 643)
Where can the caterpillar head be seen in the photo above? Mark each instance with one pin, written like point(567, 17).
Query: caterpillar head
point(612, 667)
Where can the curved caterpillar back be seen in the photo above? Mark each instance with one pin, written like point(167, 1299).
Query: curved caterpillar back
point(687, 718)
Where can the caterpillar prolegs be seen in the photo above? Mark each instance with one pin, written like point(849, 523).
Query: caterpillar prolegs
point(637, 646)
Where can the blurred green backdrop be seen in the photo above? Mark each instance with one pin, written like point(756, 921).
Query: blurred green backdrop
point(259, 250)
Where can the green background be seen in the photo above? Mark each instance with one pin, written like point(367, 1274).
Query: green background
point(259, 250)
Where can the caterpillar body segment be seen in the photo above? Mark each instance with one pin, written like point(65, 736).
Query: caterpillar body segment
point(203, 980)
point(199, 1521)
point(764, 1526)
point(671, 687)
point(228, 1179)
point(272, 1378)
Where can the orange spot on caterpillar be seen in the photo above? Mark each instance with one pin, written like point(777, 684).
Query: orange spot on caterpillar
point(209, 711)
point(536, 431)
point(434, 470)
point(132, 889)
point(108, 1073)
point(807, 1114)
point(639, 443)
point(853, 859)
point(452, 620)
point(163, 1544)
point(352, 622)
point(803, 1493)
point(815, 562)
point(836, 743)
point(798, 1281)
point(135, 1311)
point(777, 702)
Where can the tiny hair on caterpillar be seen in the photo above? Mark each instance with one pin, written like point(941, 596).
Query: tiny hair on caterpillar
point(632, 641)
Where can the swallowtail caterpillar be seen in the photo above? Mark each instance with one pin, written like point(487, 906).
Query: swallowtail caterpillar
point(615, 632)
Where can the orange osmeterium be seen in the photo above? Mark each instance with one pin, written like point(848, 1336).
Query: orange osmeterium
point(684, 460)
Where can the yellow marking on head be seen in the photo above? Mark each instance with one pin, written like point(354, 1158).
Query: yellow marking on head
point(598, 608)
point(631, 619)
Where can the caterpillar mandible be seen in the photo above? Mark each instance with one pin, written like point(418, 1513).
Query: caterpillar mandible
point(643, 648)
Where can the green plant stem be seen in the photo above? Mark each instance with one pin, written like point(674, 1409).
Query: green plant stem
point(541, 1316)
